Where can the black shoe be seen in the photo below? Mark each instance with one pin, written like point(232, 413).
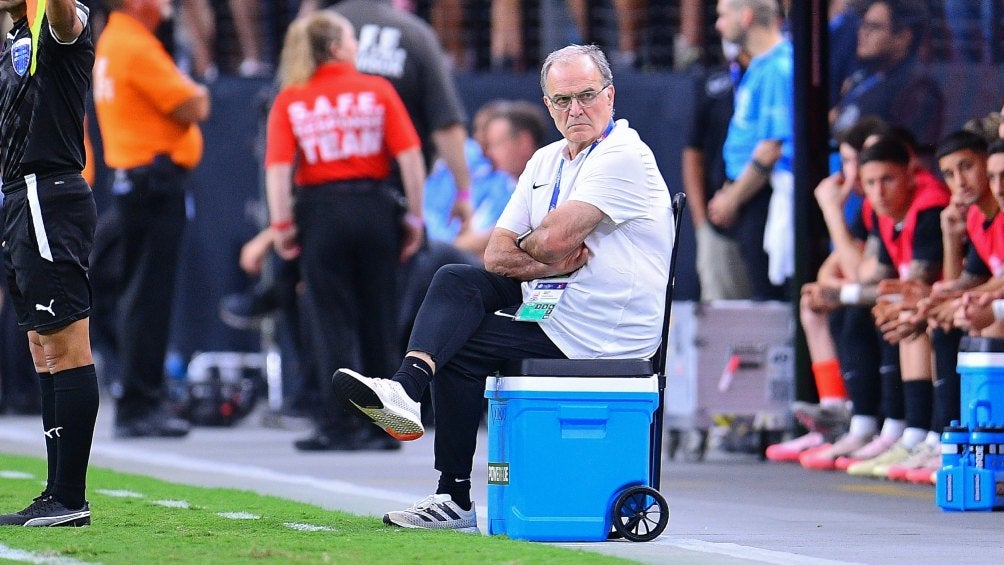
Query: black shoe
point(323, 441)
point(359, 440)
point(45, 510)
point(153, 426)
point(245, 311)
point(375, 439)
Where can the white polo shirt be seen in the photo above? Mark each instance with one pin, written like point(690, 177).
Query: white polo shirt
point(613, 306)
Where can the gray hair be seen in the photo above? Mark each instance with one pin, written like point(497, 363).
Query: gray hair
point(765, 12)
point(571, 52)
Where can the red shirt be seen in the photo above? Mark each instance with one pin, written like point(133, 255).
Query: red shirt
point(931, 193)
point(341, 125)
point(987, 240)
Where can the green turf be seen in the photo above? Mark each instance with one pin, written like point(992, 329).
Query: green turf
point(136, 530)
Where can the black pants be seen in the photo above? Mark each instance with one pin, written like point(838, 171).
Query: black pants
point(416, 277)
point(866, 360)
point(151, 210)
point(18, 383)
point(947, 382)
point(458, 327)
point(350, 234)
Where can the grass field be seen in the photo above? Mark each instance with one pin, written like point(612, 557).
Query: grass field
point(137, 519)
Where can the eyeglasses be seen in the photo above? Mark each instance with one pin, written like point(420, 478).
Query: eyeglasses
point(585, 99)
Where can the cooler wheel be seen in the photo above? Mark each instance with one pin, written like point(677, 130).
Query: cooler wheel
point(640, 514)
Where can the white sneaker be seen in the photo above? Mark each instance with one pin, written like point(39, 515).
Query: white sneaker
point(435, 512)
point(383, 401)
point(878, 465)
point(791, 449)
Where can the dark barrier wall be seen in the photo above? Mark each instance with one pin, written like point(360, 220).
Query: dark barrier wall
point(226, 202)
point(226, 197)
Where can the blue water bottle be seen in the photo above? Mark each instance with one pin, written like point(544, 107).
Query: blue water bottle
point(954, 443)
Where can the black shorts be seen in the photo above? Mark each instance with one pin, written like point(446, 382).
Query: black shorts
point(49, 222)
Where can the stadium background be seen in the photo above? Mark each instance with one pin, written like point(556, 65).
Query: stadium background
point(225, 202)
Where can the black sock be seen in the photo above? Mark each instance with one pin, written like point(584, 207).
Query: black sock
point(48, 423)
point(76, 393)
point(459, 489)
point(892, 393)
point(414, 376)
point(919, 401)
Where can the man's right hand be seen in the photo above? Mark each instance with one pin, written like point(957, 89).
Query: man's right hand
point(832, 192)
point(723, 209)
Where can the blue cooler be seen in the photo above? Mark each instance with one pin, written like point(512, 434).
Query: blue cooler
point(981, 368)
point(950, 482)
point(561, 449)
point(984, 479)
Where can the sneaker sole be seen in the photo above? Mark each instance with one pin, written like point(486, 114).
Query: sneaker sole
point(366, 401)
point(75, 520)
point(390, 522)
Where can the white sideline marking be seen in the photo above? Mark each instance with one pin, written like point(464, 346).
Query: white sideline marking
point(172, 503)
point(119, 493)
point(247, 472)
point(11, 554)
point(15, 475)
point(747, 552)
point(239, 515)
point(307, 527)
point(174, 461)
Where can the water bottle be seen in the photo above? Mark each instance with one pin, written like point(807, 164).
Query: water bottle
point(954, 443)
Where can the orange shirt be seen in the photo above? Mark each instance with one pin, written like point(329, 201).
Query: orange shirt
point(89, 172)
point(341, 125)
point(136, 87)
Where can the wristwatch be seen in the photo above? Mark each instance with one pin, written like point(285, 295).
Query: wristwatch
point(521, 237)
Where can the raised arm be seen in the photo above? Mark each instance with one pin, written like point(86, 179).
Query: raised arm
point(63, 20)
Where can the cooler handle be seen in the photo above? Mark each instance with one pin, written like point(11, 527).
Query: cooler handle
point(974, 408)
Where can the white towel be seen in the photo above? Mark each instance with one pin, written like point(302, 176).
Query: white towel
point(779, 234)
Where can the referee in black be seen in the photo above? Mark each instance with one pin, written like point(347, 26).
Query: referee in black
point(49, 213)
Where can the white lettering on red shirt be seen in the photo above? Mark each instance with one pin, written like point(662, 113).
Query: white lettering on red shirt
point(352, 126)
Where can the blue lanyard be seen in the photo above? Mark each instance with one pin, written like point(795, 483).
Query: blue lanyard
point(862, 87)
point(561, 164)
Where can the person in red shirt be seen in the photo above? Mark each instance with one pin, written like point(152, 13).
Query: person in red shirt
point(332, 135)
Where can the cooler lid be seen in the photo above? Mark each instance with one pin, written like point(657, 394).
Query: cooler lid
point(976, 344)
point(573, 384)
point(579, 367)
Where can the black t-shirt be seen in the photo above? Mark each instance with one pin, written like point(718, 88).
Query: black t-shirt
point(42, 115)
point(404, 49)
point(973, 263)
point(927, 244)
point(709, 124)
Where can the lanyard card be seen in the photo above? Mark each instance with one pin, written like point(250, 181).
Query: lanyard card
point(544, 296)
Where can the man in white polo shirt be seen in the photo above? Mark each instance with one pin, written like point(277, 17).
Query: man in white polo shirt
point(580, 259)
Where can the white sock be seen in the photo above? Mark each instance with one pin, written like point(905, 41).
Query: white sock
point(912, 436)
point(893, 428)
point(863, 426)
point(833, 402)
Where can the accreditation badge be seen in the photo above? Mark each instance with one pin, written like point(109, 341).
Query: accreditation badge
point(544, 296)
